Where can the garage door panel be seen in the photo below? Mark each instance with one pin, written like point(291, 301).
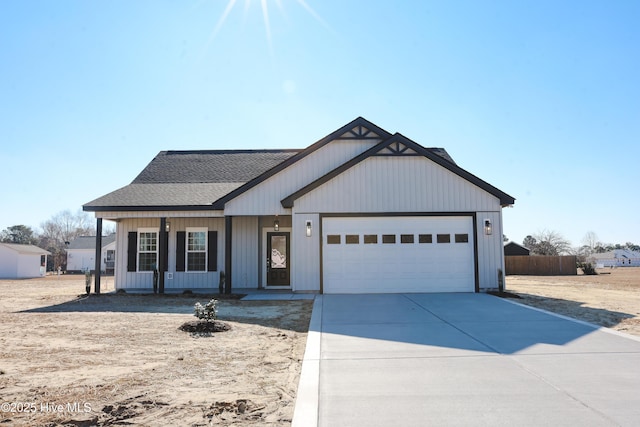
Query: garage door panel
point(398, 267)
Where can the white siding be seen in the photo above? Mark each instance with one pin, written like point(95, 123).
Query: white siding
point(305, 263)
point(264, 198)
point(245, 252)
point(490, 250)
point(397, 184)
point(8, 263)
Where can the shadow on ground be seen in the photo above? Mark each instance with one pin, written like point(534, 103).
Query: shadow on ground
point(449, 324)
point(291, 315)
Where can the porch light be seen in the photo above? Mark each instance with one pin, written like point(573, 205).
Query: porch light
point(167, 227)
point(308, 225)
point(488, 228)
point(276, 225)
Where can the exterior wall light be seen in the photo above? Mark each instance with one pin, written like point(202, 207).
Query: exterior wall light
point(488, 228)
point(276, 225)
point(167, 227)
point(308, 226)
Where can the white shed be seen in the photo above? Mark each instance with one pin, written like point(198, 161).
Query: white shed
point(22, 261)
point(81, 254)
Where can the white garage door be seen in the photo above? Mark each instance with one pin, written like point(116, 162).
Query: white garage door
point(397, 254)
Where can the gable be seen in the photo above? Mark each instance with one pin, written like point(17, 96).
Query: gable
point(262, 196)
point(396, 184)
point(401, 147)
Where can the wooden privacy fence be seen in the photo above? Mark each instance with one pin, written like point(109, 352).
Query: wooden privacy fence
point(541, 265)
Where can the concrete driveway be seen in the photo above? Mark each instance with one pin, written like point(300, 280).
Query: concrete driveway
point(461, 359)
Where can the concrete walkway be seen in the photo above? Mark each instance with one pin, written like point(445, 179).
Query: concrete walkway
point(461, 359)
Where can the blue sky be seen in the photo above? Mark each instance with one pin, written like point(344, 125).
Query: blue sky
point(539, 98)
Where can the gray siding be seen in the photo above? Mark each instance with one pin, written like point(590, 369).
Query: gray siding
point(245, 252)
point(490, 250)
point(181, 280)
point(397, 184)
point(305, 264)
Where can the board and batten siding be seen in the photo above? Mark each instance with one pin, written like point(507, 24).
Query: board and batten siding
point(305, 264)
point(264, 198)
point(245, 252)
point(490, 250)
point(180, 280)
point(397, 184)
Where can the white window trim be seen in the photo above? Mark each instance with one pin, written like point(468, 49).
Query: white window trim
point(146, 230)
point(186, 249)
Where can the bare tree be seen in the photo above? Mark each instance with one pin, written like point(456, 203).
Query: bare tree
point(590, 240)
point(548, 242)
point(63, 227)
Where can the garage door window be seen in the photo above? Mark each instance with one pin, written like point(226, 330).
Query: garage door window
point(444, 238)
point(462, 238)
point(352, 239)
point(406, 238)
point(388, 238)
point(370, 239)
point(333, 239)
point(425, 238)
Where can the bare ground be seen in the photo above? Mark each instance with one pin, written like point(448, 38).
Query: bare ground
point(610, 299)
point(68, 359)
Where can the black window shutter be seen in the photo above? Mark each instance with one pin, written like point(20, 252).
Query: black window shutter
point(132, 253)
point(165, 257)
point(180, 250)
point(212, 264)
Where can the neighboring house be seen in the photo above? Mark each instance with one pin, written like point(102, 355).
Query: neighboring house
point(616, 258)
point(514, 249)
point(81, 254)
point(360, 210)
point(22, 261)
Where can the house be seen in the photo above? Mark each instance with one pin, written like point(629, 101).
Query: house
point(360, 210)
point(616, 258)
point(514, 249)
point(81, 254)
point(22, 261)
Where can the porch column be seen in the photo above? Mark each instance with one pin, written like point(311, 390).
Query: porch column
point(98, 257)
point(228, 231)
point(162, 256)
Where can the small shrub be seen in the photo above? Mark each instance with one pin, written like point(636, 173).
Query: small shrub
point(208, 312)
point(587, 268)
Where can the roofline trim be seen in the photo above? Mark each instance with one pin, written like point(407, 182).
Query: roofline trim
point(148, 208)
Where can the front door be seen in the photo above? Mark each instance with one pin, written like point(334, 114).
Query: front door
point(278, 263)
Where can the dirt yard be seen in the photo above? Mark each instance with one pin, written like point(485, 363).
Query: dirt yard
point(74, 360)
point(610, 299)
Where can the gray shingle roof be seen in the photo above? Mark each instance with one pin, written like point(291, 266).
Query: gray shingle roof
point(26, 249)
point(190, 178)
point(89, 242)
point(219, 166)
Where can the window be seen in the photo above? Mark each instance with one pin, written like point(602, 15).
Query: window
point(333, 239)
point(444, 238)
point(196, 249)
point(462, 238)
point(352, 239)
point(425, 238)
point(406, 238)
point(388, 238)
point(370, 239)
point(147, 250)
